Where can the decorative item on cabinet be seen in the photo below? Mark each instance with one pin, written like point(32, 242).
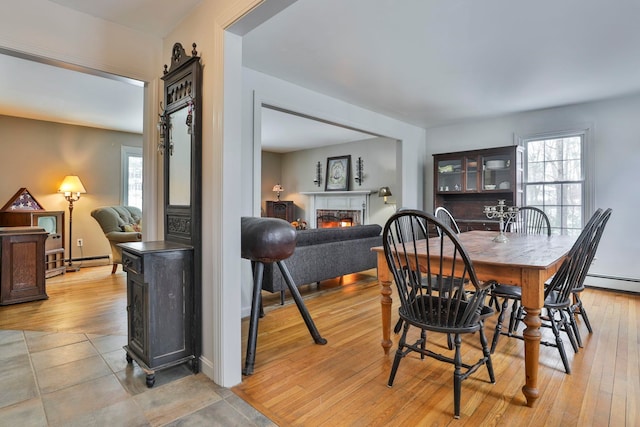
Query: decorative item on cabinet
point(277, 189)
point(318, 178)
point(359, 177)
point(23, 210)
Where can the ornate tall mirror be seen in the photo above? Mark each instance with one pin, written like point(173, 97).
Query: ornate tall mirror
point(182, 147)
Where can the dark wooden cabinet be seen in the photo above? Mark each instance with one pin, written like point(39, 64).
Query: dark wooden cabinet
point(164, 291)
point(53, 223)
point(22, 267)
point(160, 305)
point(283, 209)
point(467, 181)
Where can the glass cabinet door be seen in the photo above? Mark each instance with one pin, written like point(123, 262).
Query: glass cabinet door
point(449, 175)
point(471, 183)
point(497, 173)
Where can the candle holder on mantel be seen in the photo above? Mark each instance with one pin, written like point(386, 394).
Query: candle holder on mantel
point(502, 212)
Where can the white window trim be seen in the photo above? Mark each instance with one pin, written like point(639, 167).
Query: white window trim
point(588, 162)
point(125, 152)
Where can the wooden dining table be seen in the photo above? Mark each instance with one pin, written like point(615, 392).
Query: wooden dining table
point(523, 260)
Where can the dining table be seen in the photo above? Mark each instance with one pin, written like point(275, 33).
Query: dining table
point(525, 260)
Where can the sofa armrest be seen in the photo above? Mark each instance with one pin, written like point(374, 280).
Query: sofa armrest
point(124, 236)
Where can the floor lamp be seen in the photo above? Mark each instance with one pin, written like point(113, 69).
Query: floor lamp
point(72, 188)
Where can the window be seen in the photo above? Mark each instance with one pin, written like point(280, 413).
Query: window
point(555, 179)
point(132, 176)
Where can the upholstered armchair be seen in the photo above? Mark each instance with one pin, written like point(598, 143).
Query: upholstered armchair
point(120, 224)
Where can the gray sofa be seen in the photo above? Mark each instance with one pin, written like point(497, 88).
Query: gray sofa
point(325, 253)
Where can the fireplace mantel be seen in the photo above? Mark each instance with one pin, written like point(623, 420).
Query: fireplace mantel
point(338, 200)
point(338, 193)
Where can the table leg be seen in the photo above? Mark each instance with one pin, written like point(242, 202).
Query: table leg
point(531, 355)
point(532, 300)
point(384, 278)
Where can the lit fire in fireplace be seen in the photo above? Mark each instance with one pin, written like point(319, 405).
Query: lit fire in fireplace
point(337, 218)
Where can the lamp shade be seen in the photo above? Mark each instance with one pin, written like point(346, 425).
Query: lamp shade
point(71, 184)
point(384, 192)
point(278, 187)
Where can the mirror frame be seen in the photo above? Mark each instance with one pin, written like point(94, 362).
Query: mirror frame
point(183, 224)
point(183, 89)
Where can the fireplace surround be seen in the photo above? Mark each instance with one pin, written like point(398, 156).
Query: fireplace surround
point(346, 208)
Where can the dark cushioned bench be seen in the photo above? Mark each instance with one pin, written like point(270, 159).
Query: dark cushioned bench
point(325, 253)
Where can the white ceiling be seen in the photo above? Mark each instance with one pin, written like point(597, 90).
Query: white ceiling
point(41, 91)
point(426, 62)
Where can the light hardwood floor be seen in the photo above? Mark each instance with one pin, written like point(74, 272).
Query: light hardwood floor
point(343, 383)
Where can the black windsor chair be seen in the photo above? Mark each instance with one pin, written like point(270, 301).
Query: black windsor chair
point(558, 291)
point(429, 296)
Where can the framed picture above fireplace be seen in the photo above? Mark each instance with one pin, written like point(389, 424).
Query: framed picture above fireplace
point(338, 173)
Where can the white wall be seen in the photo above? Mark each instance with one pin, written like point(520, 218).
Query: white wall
point(615, 167)
point(259, 88)
point(298, 171)
point(49, 151)
point(46, 29)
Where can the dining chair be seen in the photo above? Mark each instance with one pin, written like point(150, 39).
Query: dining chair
point(577, 307)
point(430, 300)
point(528, 220)
point(446, 218)
point(405, 227)
point(557, 294)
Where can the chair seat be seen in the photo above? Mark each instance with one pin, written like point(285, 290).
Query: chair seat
point(507, 291)
point(452, 322)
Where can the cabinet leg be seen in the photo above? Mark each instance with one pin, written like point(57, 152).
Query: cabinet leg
point(151, 380)
point(129, 358)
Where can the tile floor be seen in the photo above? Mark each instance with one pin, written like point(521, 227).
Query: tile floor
point(62, 379)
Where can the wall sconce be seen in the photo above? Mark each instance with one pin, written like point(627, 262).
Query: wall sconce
point(359, 171)
point(318, 179)
point(72, 188)
point(277, 189)
point(384, 192)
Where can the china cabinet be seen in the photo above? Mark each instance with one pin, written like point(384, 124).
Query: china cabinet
point(466, 181)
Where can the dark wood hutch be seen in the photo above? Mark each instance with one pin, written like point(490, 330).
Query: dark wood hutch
point(164, 277)
point(467, 181)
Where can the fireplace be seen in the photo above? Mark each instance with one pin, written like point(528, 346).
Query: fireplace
point(328, 218)
point(337, 208)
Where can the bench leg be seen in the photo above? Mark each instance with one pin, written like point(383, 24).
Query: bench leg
point(256, 305)
point(301, 307)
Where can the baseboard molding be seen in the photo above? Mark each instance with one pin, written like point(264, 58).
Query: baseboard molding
point(206, 367)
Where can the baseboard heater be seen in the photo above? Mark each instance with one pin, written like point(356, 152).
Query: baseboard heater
point(626, 284)
point(90, 258)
